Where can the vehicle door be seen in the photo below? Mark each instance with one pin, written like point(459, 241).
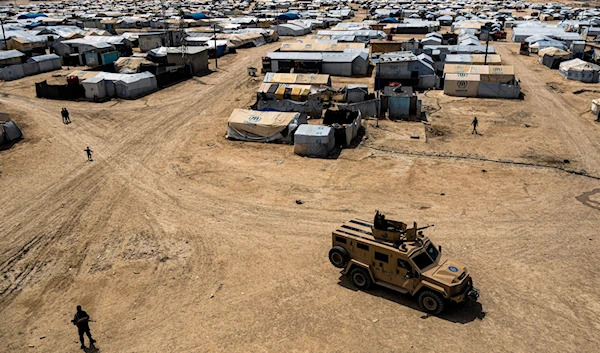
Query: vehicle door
point(381, 265)
point(403, 273)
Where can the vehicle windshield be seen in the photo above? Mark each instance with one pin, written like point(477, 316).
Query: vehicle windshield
point(422, 260)
point(433, 252)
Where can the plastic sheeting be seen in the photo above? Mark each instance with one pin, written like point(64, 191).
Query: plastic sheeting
point(366, 108)
point(314, 141)
point(498, 90)
point(312, 108)
point(12, 131)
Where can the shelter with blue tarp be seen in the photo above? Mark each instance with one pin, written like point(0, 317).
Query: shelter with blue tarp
point(389, 20)
point(195, 16)
point(288, 16)
point(34, 24)
point(27, 16)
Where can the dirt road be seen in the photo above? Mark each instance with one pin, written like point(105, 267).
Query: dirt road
point(177, 240)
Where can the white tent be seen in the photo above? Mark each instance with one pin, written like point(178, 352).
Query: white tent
point(314, 141)
point(136, 85)
point(579, 70)
point(95, 88)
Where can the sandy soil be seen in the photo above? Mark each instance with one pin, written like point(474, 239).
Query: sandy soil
point(175, 239)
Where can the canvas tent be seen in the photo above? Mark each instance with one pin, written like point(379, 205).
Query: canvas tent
point(462, 84)
point(579, 70)
point(255, 126)
point(552, 57)
point(314, 141)
point(481, 86)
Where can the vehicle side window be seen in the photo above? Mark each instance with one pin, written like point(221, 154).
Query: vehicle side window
point(362, 246)
point(404, 264)
point(381, 257)
point(340, 240)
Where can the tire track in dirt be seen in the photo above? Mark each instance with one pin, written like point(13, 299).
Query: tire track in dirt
point(25, 255)
point(555, 105)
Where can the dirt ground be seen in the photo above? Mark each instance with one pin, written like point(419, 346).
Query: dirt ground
point(175, 239)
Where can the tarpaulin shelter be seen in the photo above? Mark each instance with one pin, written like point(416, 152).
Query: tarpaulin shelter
point(255, 126)
point(27, 16)
point(288, 16)
point(314, 141)
point(9, 131)
point(579, 70)
point(389, 20)
point(552, 57)
point(195, 16)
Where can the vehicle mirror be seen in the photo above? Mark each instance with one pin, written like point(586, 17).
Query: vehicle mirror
point(440, 249)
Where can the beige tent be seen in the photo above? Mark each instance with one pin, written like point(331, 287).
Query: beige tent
point(257, 126)
point(130, 64)
point(553, 51)
point(488, 73)
point(320, 47)
point(462, 85)
point(303, 79)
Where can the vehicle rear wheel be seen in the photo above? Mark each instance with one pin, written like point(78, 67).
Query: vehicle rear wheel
point(361, 278)
point(431, 302)
point(339, 257)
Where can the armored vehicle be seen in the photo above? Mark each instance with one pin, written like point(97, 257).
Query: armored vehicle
point(390, 254)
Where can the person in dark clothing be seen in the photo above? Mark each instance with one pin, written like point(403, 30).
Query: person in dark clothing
point(65, 116)
point(89, 153)
point(63, 113)
point(475, 123)
point(81, 320)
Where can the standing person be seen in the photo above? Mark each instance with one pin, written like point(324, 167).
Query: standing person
point(475, 123)
point(67, 116)
point(63, 112)
point(89, 153)
point(81, 320)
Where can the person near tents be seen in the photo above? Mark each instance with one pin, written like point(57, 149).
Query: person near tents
point(89, 153)
point(475, 123)
point(81, 320)
point(65, 116)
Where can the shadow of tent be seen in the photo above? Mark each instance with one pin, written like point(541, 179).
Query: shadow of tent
point(461, 313)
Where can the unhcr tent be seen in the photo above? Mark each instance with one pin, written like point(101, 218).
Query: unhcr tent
point(579, 70)
point(314, 141)
point(461, 85)
point(255, 126)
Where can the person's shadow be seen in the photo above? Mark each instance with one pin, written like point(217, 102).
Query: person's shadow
point(91, 349)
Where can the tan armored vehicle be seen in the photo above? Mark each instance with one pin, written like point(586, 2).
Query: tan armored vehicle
point(390, 254)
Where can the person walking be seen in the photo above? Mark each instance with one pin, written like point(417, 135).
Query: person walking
point(81, 320)
point(475, 123)
point(89, 153)
point(64, 114)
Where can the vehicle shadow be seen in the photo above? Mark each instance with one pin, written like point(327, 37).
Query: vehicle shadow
point(461, 313)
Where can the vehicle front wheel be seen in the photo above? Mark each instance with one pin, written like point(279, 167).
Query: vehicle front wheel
point(339, 257)
point(431, 302)
point(361, 278)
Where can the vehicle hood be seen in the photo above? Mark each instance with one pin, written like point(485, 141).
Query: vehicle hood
point(447, 272)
